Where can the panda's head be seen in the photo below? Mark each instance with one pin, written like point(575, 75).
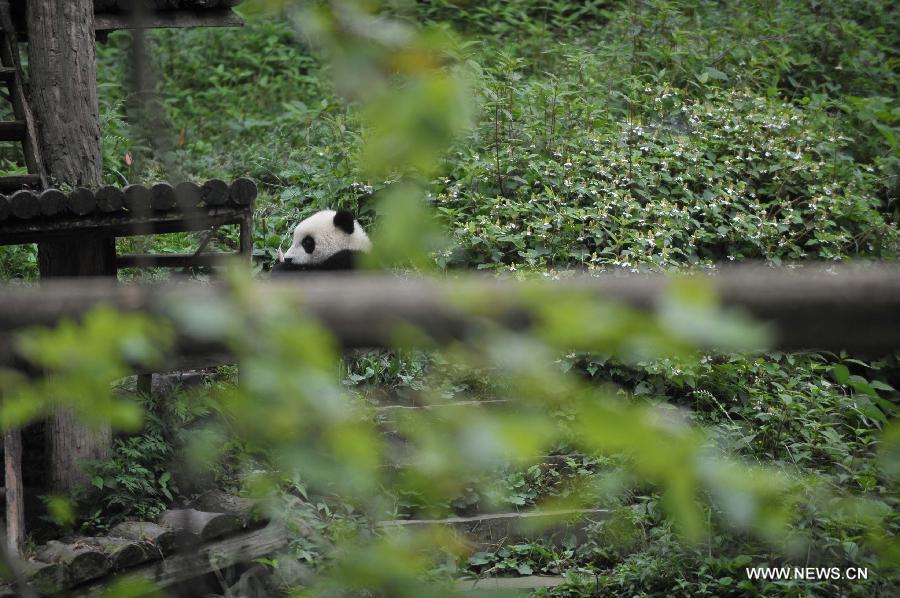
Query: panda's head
point(327, 240)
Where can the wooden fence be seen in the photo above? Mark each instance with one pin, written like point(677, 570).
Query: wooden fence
point(821, 307)
point(856, 307)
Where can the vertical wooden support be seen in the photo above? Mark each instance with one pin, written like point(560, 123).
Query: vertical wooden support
point(63, 95)
point(246, 241)
point(15, 506)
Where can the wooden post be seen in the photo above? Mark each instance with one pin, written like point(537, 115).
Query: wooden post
point(15, 509)
point(63, 72)
point(246, 236)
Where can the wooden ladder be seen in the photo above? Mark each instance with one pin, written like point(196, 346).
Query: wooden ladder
point(22, 129)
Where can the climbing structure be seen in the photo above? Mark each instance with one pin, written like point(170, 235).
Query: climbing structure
point(75, 225)
point(21, 129)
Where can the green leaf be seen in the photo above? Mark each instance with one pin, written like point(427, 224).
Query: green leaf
point(841, 374)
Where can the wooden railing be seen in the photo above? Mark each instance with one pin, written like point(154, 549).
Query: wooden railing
point(818, 307)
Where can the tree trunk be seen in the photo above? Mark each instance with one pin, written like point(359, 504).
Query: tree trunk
point(63, 70)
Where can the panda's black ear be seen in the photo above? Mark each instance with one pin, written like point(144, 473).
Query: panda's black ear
point(344, 221)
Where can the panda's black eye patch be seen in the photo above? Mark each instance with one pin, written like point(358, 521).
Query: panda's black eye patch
point(308, 244)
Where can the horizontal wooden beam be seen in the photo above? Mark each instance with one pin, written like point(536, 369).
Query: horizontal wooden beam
point(14, 232)
point(177, 260)
point(496, 529)
point(503, 586)
point(852, 307)
point(12, 130)
point(19, 181)
point(168, 19)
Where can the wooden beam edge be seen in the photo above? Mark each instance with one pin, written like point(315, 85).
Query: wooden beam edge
point(171, 19)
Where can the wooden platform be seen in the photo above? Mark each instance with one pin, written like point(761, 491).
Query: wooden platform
point(120, 225)
point(29, 216)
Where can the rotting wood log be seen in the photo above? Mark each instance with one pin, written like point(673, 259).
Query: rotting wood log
point(24, 204)
point(214, 192)
point(188, 195)
point(44, 578)
point(137, 198)
point(109, 199)
point(217, 555)
point(122, 553)
point(161, 539)
point(246, 509)
point(82, 562)
point(204, 524)
point(162, 196)
point(242, 191)
point(4, 207)
point(52, 202)
point(82, 202)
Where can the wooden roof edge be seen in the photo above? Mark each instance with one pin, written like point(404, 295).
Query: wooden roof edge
point(171, 19)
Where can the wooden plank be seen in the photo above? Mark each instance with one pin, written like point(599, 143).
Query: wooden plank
point(498, 528)
point(218, 555)
point(504, 585)
point(15, 505)
point(168, 19)
point(176, 260)
point(119, 224)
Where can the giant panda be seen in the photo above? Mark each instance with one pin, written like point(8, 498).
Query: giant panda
point(327, 240)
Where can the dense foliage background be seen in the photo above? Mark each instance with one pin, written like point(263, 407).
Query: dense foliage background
point(638, 135)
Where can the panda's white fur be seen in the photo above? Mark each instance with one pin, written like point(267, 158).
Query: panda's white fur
point(329, 240)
